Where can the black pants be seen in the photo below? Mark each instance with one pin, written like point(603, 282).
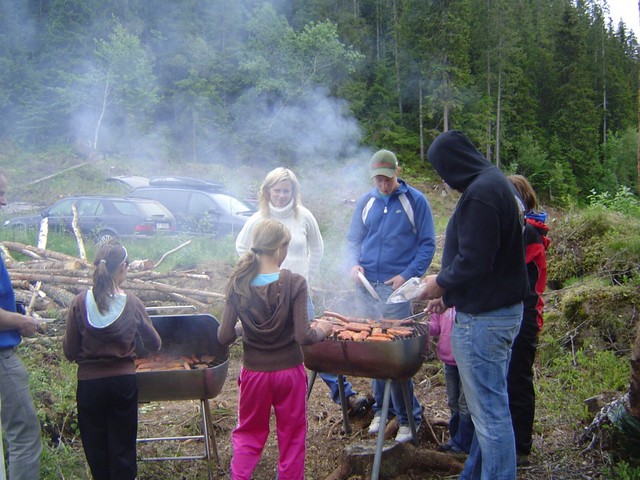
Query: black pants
point(522, 397)
point(108, 422)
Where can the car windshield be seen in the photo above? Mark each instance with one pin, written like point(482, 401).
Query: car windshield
point(232, 205)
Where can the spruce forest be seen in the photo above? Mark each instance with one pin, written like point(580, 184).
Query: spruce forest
point(547, 88)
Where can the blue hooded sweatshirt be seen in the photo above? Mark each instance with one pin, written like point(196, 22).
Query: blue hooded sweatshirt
point(386, 242)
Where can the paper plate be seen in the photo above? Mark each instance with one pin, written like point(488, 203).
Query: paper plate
point(368, 286)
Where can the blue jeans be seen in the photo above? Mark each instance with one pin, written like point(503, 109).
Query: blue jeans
point(481, 344)
point(369, 307)
point(460, 424)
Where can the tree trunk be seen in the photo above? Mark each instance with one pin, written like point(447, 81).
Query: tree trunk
point(105, 102)
point(421, 117)
point(396, 55)
point(634, 384)
point(638, 125)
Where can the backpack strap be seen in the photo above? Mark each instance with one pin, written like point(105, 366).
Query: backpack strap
point(367, 207)
point(406, 205)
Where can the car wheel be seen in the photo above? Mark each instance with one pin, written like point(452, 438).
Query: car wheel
point(105, 236)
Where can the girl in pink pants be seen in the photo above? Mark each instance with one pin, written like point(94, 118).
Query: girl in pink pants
point(285, 390)
point(271, 304)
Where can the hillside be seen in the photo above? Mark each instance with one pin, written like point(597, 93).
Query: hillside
point(590, 323)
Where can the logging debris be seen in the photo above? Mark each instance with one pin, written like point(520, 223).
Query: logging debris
point(49, 280)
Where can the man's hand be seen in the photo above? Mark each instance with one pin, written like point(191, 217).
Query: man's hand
point(431, 290)
point(29, 326)
point(354, 273)
point(395, 282)
point(25, 324)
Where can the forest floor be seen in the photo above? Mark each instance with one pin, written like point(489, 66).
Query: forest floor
point(556, 452)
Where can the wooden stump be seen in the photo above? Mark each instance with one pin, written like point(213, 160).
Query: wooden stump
point(397, 458)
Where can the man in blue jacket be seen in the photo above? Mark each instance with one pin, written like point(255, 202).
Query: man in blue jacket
point(391, 239)
point(19, 419)
point(484, 276)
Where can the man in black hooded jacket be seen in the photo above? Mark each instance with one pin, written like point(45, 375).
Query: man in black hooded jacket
point(484, 276)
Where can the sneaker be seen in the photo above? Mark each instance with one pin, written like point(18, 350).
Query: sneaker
point(374, 426)
point(404, 434)
point(357, 402)
point(522, 460)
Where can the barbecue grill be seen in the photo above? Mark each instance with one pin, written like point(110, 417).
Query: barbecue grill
point(398, 359)
point(187, 335)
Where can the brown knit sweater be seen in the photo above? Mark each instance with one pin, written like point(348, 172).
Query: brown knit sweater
point(275, 324)
point(109, 351)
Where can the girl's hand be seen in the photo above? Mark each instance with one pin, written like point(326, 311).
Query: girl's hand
point(325, 326)
point(435, 306)
point(239, 330)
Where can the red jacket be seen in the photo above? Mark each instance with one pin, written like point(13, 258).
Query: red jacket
point(536, 244)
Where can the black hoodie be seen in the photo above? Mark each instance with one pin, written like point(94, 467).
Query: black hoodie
point(483, 262)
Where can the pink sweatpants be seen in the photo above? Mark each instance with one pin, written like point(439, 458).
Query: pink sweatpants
point(285, 390)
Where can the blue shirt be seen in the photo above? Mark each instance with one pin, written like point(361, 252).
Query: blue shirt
point(8, 338)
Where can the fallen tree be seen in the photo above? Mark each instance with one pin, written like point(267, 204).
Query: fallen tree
point(49, 279)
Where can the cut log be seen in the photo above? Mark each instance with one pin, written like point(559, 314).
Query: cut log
point(171, 289)
point(60, 296)
point(54, 279)
point(35, 252)
point(356, 461)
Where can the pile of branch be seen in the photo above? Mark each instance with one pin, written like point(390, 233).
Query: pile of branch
point(49, 280)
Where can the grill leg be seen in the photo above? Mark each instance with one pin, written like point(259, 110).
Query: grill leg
point(312, 380)
point(343, 404)
point(209, 437)
point(377, 459)
point(408, 405)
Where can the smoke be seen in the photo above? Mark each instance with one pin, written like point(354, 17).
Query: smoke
point(179, 97)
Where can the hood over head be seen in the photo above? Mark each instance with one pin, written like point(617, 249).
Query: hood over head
point(456, 159)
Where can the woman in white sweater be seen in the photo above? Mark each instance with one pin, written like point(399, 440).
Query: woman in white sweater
point(279, 199)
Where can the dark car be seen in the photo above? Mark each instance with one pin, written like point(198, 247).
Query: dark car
point(103, 217)
point(199, 207)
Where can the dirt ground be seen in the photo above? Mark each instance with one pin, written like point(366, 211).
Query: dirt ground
point(556, 454)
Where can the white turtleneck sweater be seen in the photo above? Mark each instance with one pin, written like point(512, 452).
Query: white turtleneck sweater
point(306, 247)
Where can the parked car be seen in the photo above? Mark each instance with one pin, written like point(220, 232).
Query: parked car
point(103, 217)
point(198, 206)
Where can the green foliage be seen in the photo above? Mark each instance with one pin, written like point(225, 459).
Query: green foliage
point(600, 316)
point(624, 201)
point(537, 84)
point(593, 241)
point(624, 471)
point(568, 379)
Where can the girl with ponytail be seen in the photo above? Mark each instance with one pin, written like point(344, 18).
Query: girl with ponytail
point(102, 326)
point(271, 306)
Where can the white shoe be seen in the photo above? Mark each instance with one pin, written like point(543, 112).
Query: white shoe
point(375, 424)
point(404, 434)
